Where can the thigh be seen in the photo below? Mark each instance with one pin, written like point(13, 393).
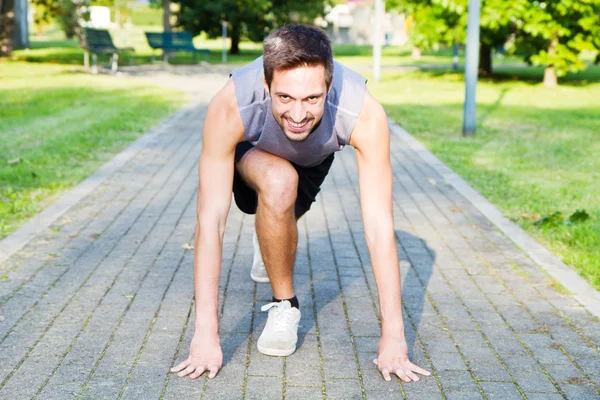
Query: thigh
point(309, 184)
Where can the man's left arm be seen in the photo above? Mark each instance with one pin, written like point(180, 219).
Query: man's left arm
point(371, 139)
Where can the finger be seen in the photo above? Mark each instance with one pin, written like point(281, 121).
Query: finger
point(181, 366)
point(402, 375)
point(190, 368)
point(419, 370)
point(214, 369)
point(411, 375)
point(375, 361)
point(199, 371)
point(386, 374)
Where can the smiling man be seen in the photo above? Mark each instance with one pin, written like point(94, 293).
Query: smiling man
point(270, 135)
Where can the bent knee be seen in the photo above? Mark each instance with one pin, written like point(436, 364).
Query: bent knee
point(278, 189)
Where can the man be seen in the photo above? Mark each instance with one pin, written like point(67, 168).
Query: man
point(270, 135)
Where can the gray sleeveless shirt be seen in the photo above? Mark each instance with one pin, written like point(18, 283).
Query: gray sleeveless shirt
point(342, 106)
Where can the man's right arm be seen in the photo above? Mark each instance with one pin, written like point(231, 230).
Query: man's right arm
point(223, 129)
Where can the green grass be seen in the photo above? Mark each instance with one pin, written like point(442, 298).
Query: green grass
point(535, 151)
point(57, 127)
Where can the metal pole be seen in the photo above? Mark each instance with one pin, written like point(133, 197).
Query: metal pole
point(472, 62)
point(224, 34)
point(377, 41)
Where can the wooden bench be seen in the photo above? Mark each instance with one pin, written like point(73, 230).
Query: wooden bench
point(99, 41)
point(171, 42)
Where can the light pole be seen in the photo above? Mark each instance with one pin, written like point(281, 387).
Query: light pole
point(472, 62)
point(224, 42)
point(377, 40)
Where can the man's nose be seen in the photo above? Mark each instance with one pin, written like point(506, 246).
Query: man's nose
point(298, 112)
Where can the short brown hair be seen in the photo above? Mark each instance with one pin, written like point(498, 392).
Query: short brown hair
point(294, 46)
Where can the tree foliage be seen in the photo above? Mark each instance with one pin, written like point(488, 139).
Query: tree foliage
point(551, 33)
point(69, 14)
point(246, 19)
point(555, 33)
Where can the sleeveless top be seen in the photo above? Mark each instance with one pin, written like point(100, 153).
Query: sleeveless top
point(342, 106)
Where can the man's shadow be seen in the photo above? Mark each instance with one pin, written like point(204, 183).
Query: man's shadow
point(416, 266)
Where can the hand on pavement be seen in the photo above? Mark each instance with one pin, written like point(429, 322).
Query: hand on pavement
point(205, 355)
point(392, 358)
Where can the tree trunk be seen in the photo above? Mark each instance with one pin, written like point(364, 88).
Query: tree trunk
point(7, 16)
point(20, 26)
point(416, 53)
point(167, 15)
point(485, 60)
point(235, 42)
point(79, 9)
point(550, 77)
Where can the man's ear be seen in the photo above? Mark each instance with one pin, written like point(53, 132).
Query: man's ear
point(267, 87)
point(330, 84)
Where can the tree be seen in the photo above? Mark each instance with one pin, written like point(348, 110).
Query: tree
point(445, 22)
point(551, 33)
point(555, 33)
point(70, 14)
point(246, 19)
point(7, 16)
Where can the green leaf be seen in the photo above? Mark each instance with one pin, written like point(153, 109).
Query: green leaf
point(552, 219)
point(579, 216)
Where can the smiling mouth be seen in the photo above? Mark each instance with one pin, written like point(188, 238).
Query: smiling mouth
point(295, 127)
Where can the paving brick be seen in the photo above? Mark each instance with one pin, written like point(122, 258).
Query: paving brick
point(303, 393)
point(298, 373)
point(544, 396)
point(457, 380)
point(347, 389)
point(462, 395)
point(448, 361)
point(489, 371)
point(427, 388)
point(260, 388)
point(534, 382)
point(590, 365)
point(580, 391)
point(390, 394)
point(501, 391)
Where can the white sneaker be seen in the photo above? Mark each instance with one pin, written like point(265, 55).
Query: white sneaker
point(280, 335)
point(258, 273)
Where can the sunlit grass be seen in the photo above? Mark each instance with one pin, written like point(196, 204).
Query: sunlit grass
point(57, 127)
point(535, 151)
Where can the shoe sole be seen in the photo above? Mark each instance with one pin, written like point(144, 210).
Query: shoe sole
point(257, 279)
point(276, 352)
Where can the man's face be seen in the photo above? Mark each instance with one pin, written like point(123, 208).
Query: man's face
point(298, 100)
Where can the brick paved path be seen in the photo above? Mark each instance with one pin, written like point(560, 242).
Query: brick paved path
point(99, 305)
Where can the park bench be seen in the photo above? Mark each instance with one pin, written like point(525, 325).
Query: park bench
point(99, 41)
point(171, 42)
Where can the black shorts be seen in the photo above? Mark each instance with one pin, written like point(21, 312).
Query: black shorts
point(309, 184)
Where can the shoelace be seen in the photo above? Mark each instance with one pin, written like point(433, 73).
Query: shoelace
point(283, 319)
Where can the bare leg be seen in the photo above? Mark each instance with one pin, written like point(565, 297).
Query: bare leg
point(276, 182)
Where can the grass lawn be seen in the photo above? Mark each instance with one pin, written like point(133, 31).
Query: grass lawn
point(57, 127)
point(536, 150)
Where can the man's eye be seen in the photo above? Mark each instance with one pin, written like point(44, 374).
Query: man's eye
point(284, 98)
point(312, 98)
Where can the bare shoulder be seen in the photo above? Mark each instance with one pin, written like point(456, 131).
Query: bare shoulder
point(225, 101)
point(371, 124)
point(223, 120)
